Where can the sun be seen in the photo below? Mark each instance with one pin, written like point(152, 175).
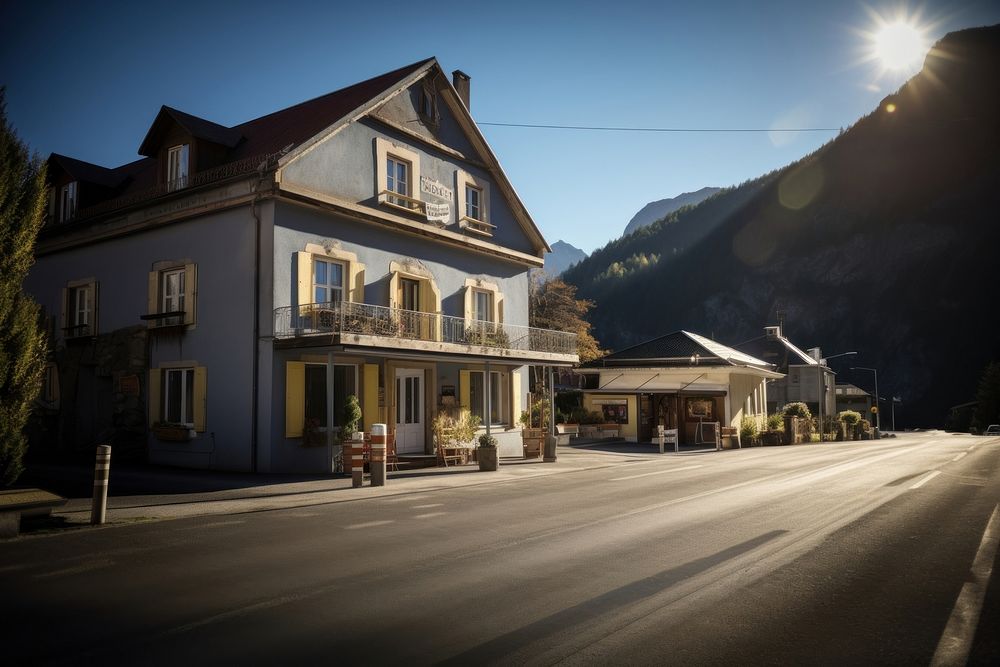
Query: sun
point(900, 45)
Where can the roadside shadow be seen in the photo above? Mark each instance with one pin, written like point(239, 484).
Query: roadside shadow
point(602, 605)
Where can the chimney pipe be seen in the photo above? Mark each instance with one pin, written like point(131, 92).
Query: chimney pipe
point(460, 80)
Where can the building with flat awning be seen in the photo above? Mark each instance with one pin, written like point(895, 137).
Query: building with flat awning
point(682, 381)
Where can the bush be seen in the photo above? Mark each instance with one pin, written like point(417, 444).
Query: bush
point(776, 422)
point(866, 425)
point(797, 409)
point(487, 440)
point(592, 417)
point(350, 417)
point(850, 417)
point(749, 428)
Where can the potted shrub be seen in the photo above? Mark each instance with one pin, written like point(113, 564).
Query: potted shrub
point(850, 420)
point(350, 418)
point(488, 453)
point(749, 430)
point(794, 413)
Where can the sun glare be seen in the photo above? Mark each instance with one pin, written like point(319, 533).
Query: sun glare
point(900, 46)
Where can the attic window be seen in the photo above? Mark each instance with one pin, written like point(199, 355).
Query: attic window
point(428, 105)
point(67, 202)
point(177, 167)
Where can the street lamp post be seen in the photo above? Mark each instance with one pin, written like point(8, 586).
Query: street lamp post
point(878, 413)
point(822, 388)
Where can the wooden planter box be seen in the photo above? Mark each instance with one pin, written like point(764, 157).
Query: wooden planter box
point(173, 433)
point(533, 441)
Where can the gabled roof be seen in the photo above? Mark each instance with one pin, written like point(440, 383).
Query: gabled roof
point(87, 171)
point(777, 350)
point(681, 348)
point(197, 127)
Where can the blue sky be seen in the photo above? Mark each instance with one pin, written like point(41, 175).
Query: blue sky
point(86, 80)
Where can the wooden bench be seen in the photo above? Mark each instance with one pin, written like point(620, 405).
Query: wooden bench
point(17, 503)
point(610, 430)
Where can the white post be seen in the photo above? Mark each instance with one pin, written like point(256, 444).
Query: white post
point(102, 470)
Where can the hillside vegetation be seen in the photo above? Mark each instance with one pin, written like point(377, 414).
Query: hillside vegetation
point(884, 241)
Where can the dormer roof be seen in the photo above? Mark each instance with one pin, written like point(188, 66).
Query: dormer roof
point(196, 127)
point(87, 171)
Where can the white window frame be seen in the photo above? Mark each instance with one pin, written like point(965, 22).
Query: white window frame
point(184, 418)
point(67, 202)
point(386, 152)
point(336, 426)
point(330, 288)
point(496, 403)
point(478, 314)
point(170, 303)
point(82, 306)
point(477, 222)
point(177, 167)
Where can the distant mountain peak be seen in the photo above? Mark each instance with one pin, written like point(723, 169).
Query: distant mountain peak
point(657, 210)
point(563, 256)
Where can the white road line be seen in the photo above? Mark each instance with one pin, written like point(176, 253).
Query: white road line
point(429, 515)
point(369, 524)
point(406, 498)
point(955, 643)
point(960, 456)
point(658, 472)
point(215, 524)
point(926, 479)
point(423, 507)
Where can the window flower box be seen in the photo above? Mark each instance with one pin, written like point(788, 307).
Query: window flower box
point(173, 432)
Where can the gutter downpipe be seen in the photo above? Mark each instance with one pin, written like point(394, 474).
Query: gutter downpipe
point(255, 382)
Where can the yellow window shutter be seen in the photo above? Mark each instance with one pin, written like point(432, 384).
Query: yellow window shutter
point(464, 392)
point(153, 297)
point(190, 293)
point(394, 290)
point(63, 309)
point(94, 326)
point(304, 264)
point(467, 308)
point(357, 283)
point(515, 397)
point(369, 406)
point(295, 398)
point(498, 308)
point(200, 397)
point(153, 395)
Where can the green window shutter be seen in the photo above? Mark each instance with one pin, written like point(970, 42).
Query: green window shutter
point(153, 396)
point(295, 398)
point(200, 398)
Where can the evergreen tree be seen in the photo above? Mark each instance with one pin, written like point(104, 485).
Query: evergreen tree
point(554, 306)
point(23, 195)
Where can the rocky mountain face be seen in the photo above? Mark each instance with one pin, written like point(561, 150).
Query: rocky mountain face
point(657, 210)
point(563, 256)
point(884, 241)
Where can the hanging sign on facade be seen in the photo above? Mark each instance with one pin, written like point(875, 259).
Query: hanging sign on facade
point(438, 212)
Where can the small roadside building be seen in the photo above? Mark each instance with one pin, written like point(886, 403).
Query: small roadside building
point(681, 380)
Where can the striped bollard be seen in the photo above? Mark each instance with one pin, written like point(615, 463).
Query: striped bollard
point(102, 470)
point(377, 466)
point(357, 463)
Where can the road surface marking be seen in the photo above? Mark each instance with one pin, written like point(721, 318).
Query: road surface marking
point(429, 515)
point(971, 447)
point(76, 569)
point(960, 456)
point(658, 472)
point(423, 507)
point(406, 498)
point(369, 524)
point(216, 524)
point(955, 643)
point(926, 479)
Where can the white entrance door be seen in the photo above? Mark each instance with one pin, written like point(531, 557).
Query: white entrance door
point(409, 411)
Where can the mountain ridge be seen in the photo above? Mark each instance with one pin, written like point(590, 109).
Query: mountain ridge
point(657, 210)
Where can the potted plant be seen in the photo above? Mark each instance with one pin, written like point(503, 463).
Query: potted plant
point(350, 418)
point(488, 453)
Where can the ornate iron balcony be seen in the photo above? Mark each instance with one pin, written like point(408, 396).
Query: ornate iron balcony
point(360, 318)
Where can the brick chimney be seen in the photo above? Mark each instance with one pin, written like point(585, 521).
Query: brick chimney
point(461, 80)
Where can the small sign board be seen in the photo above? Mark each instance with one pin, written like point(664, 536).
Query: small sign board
point(129, 385)
point(438, 212)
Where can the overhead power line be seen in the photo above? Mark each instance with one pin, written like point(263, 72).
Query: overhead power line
point(597, 128)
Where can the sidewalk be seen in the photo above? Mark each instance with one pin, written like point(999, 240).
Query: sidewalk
point(145, 493)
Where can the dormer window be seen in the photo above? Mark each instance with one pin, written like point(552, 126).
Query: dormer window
point(177, 167)
point(67, 202)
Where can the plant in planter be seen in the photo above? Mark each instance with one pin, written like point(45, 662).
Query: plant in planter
point(488, 453)
point(749, 430)
point(350, 418)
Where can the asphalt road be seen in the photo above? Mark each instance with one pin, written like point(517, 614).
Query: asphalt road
point(850, 553)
